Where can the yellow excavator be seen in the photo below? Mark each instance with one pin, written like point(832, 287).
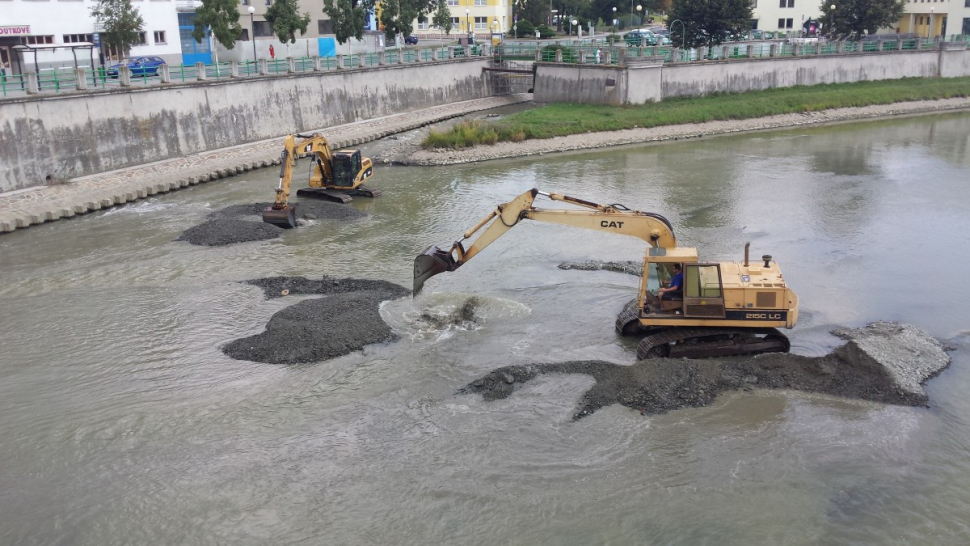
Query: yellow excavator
point(334, 176)
point(722, 309)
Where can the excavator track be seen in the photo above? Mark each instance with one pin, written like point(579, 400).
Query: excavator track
point(324, 194)
point(364, 191)
point(628, 321)
point(710, 342)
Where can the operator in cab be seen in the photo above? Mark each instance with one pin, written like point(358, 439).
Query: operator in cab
point(676, 287)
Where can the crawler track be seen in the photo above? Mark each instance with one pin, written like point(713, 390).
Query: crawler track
point(710, 342)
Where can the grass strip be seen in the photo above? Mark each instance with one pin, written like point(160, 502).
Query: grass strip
point(568, 119)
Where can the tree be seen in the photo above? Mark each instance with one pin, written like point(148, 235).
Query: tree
point(708, 22)
point(348, 17)
point(397, 17)
point(853, 18)
point(220, 18)
point(121, 23)
point(284, 16)
point(442, 16)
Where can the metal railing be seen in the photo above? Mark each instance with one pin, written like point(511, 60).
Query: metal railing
point(64, 79)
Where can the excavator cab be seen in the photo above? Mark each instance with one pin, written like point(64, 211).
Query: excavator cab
point(346, 165)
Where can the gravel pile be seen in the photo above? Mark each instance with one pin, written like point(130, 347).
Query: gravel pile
point(244, 223)
point(344, 321)
point(884, 362)
point(628, 267)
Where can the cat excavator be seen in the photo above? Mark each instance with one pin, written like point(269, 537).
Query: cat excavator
point(723, 309)
point(334, 176)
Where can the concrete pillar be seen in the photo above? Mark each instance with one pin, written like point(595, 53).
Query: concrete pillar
point(796, 49)
point(750, 52)
point(82, 81)
point(558, 55)
point(840, 47)
point(200, 72)
point(899, 45)
point(674, 54)
point(582, 56)
point(263, 67)
point(468, 51)
point(451, 52)
point(400, 56)
point(773, 50)
point(165, 73)
point(726, 52)
point(290, 65)
point(31, 83)
point(818, 48)
point(621, 57)
point(233, 69)
point(538, 55)
point(340, 61)
point(382, 58)
point(124, 76)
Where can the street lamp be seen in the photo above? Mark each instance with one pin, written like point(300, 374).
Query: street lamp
point(573, 24)
point(929, 31)
point(832, 20)
point(640, 17)
point(683, 31)
point(468, 25)
point(252, 25)
point(614, 19)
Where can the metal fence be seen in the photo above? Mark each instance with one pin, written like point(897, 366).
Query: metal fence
point(65, 79)
point(591, 53)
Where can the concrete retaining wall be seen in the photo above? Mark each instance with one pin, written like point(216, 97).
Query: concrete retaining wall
point(704, 78)
point(74, 135)
point(585, 84)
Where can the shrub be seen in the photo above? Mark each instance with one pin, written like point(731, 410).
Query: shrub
point(526, 29)
point(545, 31)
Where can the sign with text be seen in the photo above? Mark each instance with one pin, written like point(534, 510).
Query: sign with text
point(18, 30)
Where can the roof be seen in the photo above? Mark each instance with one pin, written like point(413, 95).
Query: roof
point(46, 47)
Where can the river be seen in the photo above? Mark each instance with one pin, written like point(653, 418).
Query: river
point(124, 423)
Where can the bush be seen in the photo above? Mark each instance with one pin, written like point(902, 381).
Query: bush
point(526, 29)
point(568, 55)
point(545, 31)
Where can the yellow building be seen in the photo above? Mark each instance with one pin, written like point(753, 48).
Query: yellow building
point(478, 16)
point(934, 18)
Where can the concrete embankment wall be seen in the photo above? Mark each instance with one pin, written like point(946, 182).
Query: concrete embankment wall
point(641, 83)
point(74, 135)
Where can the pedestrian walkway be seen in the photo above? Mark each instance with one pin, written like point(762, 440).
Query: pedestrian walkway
point(32, 206)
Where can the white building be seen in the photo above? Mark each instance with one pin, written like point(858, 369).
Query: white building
point(66, 22)
point(927, 18)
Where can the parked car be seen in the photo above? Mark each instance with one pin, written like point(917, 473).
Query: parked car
point(637, 37)
point(139, 66)
point(411, 39)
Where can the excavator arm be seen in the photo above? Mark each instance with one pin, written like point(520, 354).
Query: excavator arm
point(652, 228)
point(317, 147)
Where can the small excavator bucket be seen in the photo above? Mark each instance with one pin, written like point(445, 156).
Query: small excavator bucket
point(429, 263)
point(284, 217)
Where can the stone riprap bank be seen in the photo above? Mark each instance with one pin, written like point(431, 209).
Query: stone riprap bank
point(65, 137)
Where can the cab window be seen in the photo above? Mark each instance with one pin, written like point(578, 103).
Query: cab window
point(702, 281)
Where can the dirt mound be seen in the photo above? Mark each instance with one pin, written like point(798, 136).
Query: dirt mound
point(244, 223)
point(319, 329)
point(628, 267)
point(227, 231)
point(875, 365)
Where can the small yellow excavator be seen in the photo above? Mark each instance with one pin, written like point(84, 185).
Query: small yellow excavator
point(722, 309)
point(334, 176)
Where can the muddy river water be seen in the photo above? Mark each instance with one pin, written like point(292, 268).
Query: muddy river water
point(122, 422)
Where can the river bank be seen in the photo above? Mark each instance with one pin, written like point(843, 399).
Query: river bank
point(585, 141)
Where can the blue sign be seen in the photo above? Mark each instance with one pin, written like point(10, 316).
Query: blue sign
point(97, 39)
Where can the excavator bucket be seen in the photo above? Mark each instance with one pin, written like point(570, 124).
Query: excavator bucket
point(284, 217)
point(429, 263)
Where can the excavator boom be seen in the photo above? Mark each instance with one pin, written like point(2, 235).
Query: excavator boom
point(652, 228)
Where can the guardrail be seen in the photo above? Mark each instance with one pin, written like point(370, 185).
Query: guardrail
point(62, 80)
point(601, 54)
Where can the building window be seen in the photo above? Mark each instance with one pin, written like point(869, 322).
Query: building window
point(142, 39)
point(324, 26)
point(966, 4)
point(781, 23)
point(261, 29)
point(159, 36)
point(452, 2)
point(481, 2)
point(789, 23)
point(782, 3)
point(245, 2)
point(269, 2)
point(243, 35)
point(34, 40)
point(481, 23)
point(422, 23)
point(76, 38)
point(966, 25)
point(454, 22)
point(791, 3)
point(754, 24)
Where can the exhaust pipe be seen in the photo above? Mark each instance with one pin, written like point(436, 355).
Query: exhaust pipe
point(746, 246)
point(430, 263)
